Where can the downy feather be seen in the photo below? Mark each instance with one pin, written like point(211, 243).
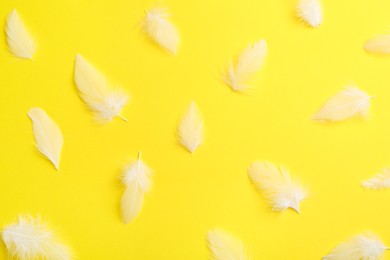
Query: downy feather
point(190, 129)
point(361, 247)
point(379, 181)
point(239, 74)
point(47, 134)
point(224, 246)
point(137, 179)
point(310, 11)
point(104, 100)
point(278, 187)
point(379, 44)
point(19, 40)
point(29, 238)
point(350, 102)
point(158, 28)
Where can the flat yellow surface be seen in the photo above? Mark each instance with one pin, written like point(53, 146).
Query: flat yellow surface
point(194, 193)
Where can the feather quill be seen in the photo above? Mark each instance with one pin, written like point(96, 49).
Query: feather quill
point(159, 29)
point(19, 40)
point(361, 247)
point(29, 238)
point(190, 129)
point(379, 181)
point(350, 102)
point(275, 183)
point(104, 100)
point(47, 134)
point(310, 11)
point(239, 74)
point(379, 44)
point(224, 246)
point(137, 179)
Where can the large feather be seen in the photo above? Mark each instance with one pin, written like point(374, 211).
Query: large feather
point(379, 181)
point(137, 179)
point(19, 40)
point(158, 28)
point(379, 44)
point(361, 247)
point(275, 183)
point(350, 102)
point(47, 134)
point(224, 246)
point(29, 238)
point(310, 11)
point(239, 74)
point(190, 129)
point(104, 100)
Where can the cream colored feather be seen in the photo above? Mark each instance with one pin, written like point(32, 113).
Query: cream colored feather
point(275, 183)
point(47, 134)
point(157, 27)
point(361, 247)
point(310, 11)
point(379, 44)
point(104, 100)
point(239, 74)
point(137, 179)
point(224, 246)
point(29, 238)
point(190, 129)
point(379, 181)
point(350, 102)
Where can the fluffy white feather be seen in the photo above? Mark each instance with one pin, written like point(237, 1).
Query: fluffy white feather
point(104, 100)
point(379, 44)
point(361, 247)
point(47, 134)
point(157, 27)
point(310, 11)
point(137, 179)
point(29, 238)
point(350, 102)
point(19, 40)
point(238, 74)
point(190, 129)
point(275, 183)
point(224, 246)
point(379, 181)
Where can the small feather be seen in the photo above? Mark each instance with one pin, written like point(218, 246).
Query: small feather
point(310, 11)
point(137, 179)
point(361, 247)
point(47, 134)
point(379, 44)
point(350, 102)
point(239, 74)
point(104, 100)
point(20, 43)
point(379, 181)
point(29, 238)
point(224, 246)
point(275, 183)
point(159, 29)
point(190, 129)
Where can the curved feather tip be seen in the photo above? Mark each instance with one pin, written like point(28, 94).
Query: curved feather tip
point(223, 246)
point(379, 44)
point(310, 11)
point(380, 181)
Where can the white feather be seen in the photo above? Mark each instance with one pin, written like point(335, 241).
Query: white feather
point(224, 246)
point(361, 247)
point(239, 74)
point(137, 179)
point(104, 100)
point(379, 181)
point(378, 44)
point(29, 238)
point(47, 134)
point(190, 129)
point(275, 183)
point(350, 102)
point(310, 11)
point(157, 27)
point(20, 43)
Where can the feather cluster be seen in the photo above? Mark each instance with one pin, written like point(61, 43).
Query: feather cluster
point(310, 11)
point(224, 246)
point(276, 184)
point(379, 44)
point(380, 181)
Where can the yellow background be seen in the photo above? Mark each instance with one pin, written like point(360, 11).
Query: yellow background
point(194, 193)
